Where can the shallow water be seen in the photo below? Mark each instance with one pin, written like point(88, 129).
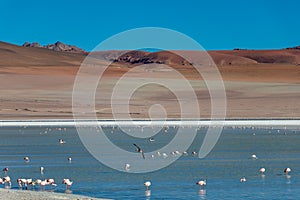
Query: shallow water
point(223, 167)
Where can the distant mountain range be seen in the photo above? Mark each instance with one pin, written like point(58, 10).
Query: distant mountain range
point(58, 46)
point(64, 54)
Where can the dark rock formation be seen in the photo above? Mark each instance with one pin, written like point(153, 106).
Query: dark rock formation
point(297, 47)
point(34, 44)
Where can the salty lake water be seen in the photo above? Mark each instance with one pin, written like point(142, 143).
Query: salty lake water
point(223, 167)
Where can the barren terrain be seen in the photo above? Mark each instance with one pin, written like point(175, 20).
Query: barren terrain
point(37, 83)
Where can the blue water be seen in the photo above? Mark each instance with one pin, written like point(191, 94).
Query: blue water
point(223, 167)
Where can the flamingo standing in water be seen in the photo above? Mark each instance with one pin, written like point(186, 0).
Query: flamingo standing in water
point(7, 182)
point(25, 183)
point(262, 170)
point(39, 182)
point(61, 141)
point(243, 179)
point(287, 170)
point(5, 170)
point(127, 167)
point(42, 170)
point(147, 184)
point(26, 159)
point(68, 183)
point(51, 182)
point(201, 183)
point(43, 184)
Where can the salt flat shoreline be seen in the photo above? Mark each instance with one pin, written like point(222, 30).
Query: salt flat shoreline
point(109, 122)
point(11, 194)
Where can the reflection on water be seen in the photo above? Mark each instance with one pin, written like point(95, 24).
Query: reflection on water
point(288, 178)
point(148, 193)
point(202, 194)
point(68, 191)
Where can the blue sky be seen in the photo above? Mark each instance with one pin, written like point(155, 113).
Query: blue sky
point(223, 24)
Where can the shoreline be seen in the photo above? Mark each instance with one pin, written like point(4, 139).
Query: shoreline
point(147, 122)
point(12, 194)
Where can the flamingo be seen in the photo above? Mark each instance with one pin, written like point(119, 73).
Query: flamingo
point(38, 181)
point(5, 170)
point(287, 170)
point(43, 184)
point(42, 170)
point(30, 182)
point(51, 182)
point(61, 141)
point(139, 150)
point(147, 184)
point(262, 170)
point(68, 183)
point(201, 183)
point(20, 184)
point(26, 159)
point(1, 181)
point(7, 182)
point(127, 167)
point(243, 179)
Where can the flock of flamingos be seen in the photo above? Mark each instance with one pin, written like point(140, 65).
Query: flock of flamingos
point(30, 184)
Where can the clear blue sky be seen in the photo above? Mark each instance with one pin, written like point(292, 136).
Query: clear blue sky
point(223, 24)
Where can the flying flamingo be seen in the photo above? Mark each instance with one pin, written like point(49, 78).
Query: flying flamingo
point(138, 149)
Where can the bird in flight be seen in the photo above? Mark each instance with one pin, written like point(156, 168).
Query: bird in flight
point(138, 149)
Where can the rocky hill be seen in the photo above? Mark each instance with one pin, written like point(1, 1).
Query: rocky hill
point(58, 46)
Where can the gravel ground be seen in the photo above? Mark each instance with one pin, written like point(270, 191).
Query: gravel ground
point(6, 194)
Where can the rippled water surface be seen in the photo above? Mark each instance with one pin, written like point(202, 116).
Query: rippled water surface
point(223, 167)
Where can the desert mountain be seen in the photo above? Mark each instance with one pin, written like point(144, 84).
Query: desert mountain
point(37, 82)
point(33, 54)
point(19, 56)
point(58, 46)
point(234, 57)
